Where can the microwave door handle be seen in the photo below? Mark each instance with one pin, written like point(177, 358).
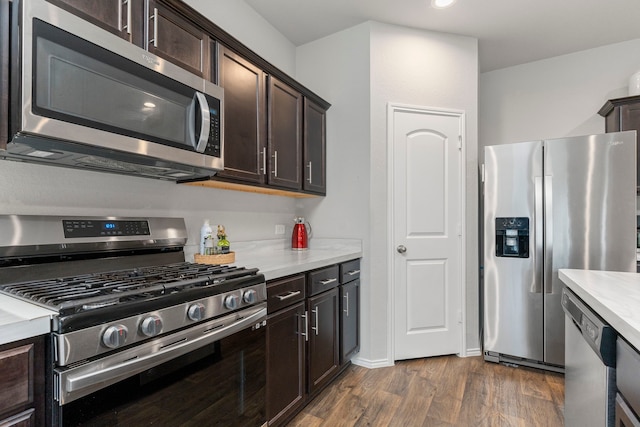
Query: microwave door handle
point(205, 123)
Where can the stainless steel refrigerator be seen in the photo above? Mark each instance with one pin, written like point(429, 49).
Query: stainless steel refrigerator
point(560, 203)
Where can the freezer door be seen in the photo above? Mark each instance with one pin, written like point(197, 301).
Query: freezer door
point(512, 286)
point(590, 209)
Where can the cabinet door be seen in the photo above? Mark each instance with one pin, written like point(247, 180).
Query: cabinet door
point(244, 118)
point(630, 120)
point(175, 39)
point(285, 135)
point(314, 148)
point(22, 383)
point(350, 320)
point(120, 17)
point(285, 362)
point(323, 339)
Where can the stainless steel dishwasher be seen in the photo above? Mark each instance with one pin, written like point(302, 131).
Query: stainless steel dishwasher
point(590, 360)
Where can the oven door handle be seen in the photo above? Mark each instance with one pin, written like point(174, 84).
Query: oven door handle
point(77, 382)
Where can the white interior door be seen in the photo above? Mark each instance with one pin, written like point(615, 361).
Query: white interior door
point(427, 231)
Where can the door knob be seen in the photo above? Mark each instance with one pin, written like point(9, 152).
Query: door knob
point(401, 249)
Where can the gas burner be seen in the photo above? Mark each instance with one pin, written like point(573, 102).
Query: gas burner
point(76, 294)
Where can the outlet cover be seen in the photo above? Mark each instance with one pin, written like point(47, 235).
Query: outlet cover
point(279, 229)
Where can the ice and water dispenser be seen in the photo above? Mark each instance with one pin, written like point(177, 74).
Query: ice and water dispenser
point(512, 237)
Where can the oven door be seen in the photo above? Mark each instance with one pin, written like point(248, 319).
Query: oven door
point(219, 382)
point(84, 85)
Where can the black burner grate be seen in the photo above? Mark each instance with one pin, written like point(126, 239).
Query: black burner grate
point(98, 290)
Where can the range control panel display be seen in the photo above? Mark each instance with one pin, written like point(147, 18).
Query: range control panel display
point(104, 228)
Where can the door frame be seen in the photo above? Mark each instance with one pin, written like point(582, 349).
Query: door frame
point(393, 107)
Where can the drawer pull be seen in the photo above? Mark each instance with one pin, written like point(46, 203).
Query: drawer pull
point(287, 296)
point(353, 272)
point(326, 282)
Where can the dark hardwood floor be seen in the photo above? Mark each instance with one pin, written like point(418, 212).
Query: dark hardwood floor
point(439, 391)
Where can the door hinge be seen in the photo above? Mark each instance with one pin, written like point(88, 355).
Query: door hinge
point(459, 230)
point(460, 142)
point(459, 316)
point(482, 173)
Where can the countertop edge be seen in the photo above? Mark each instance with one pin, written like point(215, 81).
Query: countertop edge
point(22, 320)
point(586, 285)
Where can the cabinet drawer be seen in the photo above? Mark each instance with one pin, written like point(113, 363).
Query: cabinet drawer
point(283, 293)
point(17, 374)
point(323, 279)
point(349, 271)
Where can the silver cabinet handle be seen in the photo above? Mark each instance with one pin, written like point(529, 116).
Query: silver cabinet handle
point(353, 272)
point(305, 334)
point(275, 163)
point(316, 328)
point(327, 281)
point(264, 160)
point(401, 249)
point(126, 26)
point(310, 174)
point(287, 296)
point(346, 304)
point(154, 40)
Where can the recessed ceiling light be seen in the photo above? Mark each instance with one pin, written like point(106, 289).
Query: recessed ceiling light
point(149, 104)
point(441, 4)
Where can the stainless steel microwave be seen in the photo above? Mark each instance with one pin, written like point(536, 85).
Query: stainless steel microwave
point(82, 97)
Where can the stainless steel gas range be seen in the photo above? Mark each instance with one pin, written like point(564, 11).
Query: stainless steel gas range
point(141, 336)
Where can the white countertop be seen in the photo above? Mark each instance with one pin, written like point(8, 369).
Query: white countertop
point(276, 259)
point(20, 320)
point(615, 296)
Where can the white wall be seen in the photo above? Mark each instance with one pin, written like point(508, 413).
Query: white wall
point(405, 66)
point(247, 26)
point(337, 67)
point(554, 97)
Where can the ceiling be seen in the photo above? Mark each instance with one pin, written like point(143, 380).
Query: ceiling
point(509, 32)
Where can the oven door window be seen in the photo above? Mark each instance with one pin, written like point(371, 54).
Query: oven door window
point(79, 82)
point(222, 384)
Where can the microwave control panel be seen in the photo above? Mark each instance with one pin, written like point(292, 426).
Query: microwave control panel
point(213, 147)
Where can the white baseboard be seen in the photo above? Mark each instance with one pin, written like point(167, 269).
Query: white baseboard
point(371, 364)
point(473, 352)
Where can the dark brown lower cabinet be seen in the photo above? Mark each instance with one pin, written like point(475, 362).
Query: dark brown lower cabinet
point(312, 333)
point(350, 320)
point(286, 363)
point(22, 383)
point(323, 356)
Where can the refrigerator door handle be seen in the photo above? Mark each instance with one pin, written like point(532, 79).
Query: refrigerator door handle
point(539, 248)
point(548, 234)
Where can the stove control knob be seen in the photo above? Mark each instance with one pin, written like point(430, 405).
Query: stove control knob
point(114, 336)
point(196, 311)
point(250, 296)
point(231, 302)
point(151, 326)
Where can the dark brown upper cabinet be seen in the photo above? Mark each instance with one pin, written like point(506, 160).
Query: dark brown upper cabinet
point(177, 40)
point(244, 118)
point(314, 151)
point(285, 135)
point(622, 114)
point(120, 17)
